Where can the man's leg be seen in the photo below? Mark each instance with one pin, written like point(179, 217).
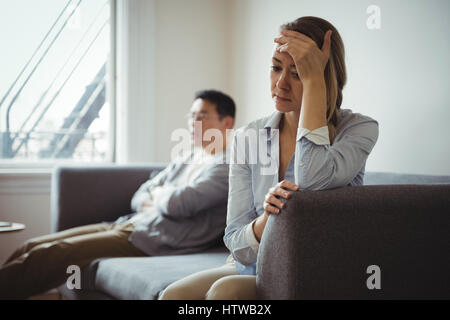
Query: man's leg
point(45, 266)
point(33, 242)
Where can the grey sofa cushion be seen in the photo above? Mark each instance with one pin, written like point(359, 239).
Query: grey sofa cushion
point(83, 294)
point(87, 290)
point(377, 178)
point(147, 277)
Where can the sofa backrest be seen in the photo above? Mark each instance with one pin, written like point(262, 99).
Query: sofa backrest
point(377, 178)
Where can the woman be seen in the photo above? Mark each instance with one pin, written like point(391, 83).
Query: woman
point(319, 146)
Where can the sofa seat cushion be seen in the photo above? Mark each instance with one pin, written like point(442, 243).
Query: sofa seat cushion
point(146, 277)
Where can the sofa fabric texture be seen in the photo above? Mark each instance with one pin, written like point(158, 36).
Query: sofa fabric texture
point(321, 246)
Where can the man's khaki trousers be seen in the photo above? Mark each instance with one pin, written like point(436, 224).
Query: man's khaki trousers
point(41, 263)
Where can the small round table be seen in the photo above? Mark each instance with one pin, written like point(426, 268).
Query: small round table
point(11, 227)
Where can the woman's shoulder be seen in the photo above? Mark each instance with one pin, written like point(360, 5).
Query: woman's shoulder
point(259, 124)
point(349, 120)
point(347, 117)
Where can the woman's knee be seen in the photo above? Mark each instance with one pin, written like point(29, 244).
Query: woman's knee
point(176, 292)
point(235, 287)
point(226, 288)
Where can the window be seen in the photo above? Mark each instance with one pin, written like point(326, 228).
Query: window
point(54, 83)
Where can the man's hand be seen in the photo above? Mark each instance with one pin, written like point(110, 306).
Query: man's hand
point(146, 205)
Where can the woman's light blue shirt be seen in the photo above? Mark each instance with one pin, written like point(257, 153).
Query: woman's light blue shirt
point(315, 165)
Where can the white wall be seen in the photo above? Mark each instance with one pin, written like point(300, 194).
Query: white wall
point(24, 198)
point(398, 74)
point(135, 86)
point(192, 53)
point(167, 50)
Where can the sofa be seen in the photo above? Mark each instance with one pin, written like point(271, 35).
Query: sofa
point(325, 245)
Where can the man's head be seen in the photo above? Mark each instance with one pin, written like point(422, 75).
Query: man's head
point(214, 110)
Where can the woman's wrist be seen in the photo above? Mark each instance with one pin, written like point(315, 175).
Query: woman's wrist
point(314, 82)
point(258, 226)
point(314, 108)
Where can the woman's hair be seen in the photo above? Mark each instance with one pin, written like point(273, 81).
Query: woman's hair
point(335, 73)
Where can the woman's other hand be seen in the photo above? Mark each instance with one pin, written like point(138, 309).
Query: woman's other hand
point(273, 204)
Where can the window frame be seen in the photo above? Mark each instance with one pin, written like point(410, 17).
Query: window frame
point(8, 166)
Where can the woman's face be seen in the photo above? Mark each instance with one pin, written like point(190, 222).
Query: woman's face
point(285, 84)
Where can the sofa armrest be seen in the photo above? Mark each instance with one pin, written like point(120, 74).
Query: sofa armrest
point(86, 195)
point(321, 245)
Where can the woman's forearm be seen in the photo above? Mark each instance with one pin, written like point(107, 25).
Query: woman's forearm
point(258, 226)
point(313, 113)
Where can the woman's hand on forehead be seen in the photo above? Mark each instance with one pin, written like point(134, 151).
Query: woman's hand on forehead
point(310, 61)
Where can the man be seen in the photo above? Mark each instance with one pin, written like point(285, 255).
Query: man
point(181, 210)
